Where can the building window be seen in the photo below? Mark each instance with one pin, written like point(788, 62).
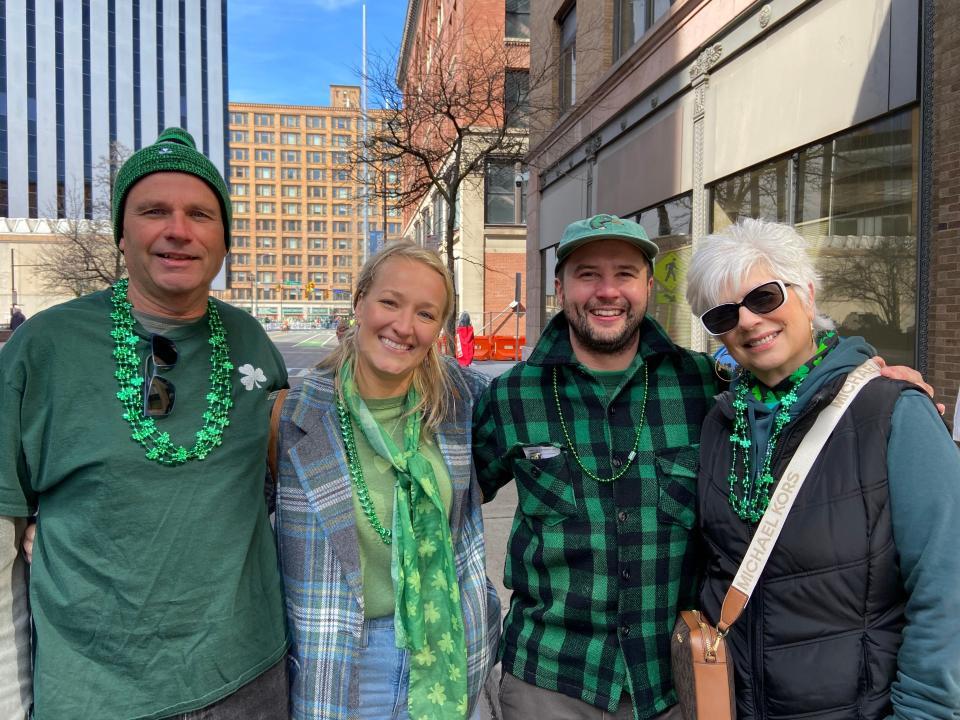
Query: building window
point(241, 154)
point(316, 140)
point(264, 155)
point(241, 207)
point(316, 191)
point(289, 121)
point(516, 86)
point(266, 242)
point(316, 157)
point(266, 208)
point(239, 136)
point(518, 19)
point(342, 210)
point(292, 225)
point(505, 193)
point(341, 140)
point(316, 175)
point(292, 243)
point(267, 259)
point(290, 173)
point(263, 137)
point(341, 123)
point(568, 59)
point(241, 224)
point(290, 208)
point(238, 118)
point(316, 209)
point(239, 171)
point(341, 193)
point(317, 260)
point(266, 225)
point(266, 191)
point(290, 156)
point(854, 198)
point(289, 138)
point(315, 243)
point(263, 173)
point(290, 191)
point(292, 260)
point(240, 241)
point(239, 189)
point(669, 225)
point(341, 226)
point(343, 278)
point(339, 157)
point(319, 226)
point(315, 122)
point(263, 120)
point(632, 19)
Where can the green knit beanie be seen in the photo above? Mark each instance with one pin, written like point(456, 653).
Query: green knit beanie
point(174, 151)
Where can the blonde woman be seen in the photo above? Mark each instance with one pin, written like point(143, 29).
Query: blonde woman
point(378, 512)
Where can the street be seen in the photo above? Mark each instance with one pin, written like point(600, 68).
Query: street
point(302, 349)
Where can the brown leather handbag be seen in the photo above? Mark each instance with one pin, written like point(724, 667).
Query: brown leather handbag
point(702, 670)
point(702, 673)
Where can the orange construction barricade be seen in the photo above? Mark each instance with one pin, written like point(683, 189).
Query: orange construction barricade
point(506, 347)
point(482, 347)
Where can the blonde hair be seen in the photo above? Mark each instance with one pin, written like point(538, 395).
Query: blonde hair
point(432, 379)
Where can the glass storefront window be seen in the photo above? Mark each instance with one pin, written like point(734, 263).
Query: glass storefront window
point(550, 305)
point(668, 225)
point(854, 198)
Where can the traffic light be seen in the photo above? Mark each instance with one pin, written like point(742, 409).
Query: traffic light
point(308, 290)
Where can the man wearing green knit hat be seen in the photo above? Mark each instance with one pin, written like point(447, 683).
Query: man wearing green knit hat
point(135, 427)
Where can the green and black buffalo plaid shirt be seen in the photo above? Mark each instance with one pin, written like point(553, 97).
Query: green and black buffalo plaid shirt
point(598, 570)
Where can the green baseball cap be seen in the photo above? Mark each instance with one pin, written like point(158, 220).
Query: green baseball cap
point(174, 151)
point(603, 227)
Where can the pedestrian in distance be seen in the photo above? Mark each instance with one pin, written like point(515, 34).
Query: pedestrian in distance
point(378, 515)
point(465, 340)
point(135, 423)
point(846, 619)
point(17, 318)
point(599, 428)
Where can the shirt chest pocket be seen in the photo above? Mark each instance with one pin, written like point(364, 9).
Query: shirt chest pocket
point(545, 488)
point(677, 485)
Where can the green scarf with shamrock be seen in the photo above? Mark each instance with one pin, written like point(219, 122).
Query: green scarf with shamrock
point(428, 620)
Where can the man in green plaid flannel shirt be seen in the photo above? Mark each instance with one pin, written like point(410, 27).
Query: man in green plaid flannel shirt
point(600, 429)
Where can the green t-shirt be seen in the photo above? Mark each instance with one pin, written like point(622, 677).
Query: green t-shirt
point(154, 589)
point(375, 557)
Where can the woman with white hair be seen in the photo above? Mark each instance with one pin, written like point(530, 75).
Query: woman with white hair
point(855, 614)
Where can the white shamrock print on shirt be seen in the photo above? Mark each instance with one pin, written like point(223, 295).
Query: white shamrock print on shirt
point(252, 377)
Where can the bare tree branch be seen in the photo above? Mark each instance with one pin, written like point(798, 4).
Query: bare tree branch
point(84, 256)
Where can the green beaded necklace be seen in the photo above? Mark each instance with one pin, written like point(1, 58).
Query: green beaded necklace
point(356, 474)
point(752, 503)
point(158, 445)
point(636, 441)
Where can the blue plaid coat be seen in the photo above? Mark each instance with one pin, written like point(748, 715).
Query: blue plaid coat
point(320, 560)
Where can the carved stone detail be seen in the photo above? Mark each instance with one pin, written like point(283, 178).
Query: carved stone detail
point(706, 60)
point(765, 14)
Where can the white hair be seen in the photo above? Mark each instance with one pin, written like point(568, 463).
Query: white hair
point(723, 260)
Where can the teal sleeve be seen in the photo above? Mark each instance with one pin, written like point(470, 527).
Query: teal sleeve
point(15, 496)
point(924, 479)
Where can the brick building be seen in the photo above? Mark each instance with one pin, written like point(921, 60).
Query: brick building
point(835, 116)
point(490, 216)
point(298, 210)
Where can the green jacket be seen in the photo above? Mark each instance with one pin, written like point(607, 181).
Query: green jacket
point(598, 569)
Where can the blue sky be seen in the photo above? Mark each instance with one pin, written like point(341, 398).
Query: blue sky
point(291, 51)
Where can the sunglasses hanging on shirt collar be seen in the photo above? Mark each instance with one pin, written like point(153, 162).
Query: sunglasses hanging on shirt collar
point(159, 393)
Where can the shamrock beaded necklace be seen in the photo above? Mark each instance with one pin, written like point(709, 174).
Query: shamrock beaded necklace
point(753, 501)
point(636, 441)
point(356, 474)
point(158, 445)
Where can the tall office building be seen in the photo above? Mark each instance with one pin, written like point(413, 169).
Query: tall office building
point(79, 78)
point(298, 207)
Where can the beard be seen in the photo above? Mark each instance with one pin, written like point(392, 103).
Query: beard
point(578, 317)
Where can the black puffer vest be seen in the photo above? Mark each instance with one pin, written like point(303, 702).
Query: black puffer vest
point(820, 635)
